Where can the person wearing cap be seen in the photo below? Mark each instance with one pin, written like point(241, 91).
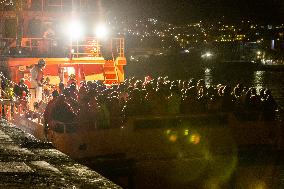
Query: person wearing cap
point(72, 80)
point(37, 80)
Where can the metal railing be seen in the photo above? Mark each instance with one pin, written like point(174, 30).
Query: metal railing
point(6, 109)
point(55, 47)
point(58, 5)
point(89, 47)
point(92, 47)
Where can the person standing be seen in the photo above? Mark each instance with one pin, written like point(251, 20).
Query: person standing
point(37, 80)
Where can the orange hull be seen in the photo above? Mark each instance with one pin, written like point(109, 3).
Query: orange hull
point(85, 68)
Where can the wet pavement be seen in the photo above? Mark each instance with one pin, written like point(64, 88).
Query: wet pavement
point(26, 162)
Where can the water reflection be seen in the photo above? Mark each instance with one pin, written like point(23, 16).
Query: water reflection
point(250, 168)
point(258, 79)
point(208, 77)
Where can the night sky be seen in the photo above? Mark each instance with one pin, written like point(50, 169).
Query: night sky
point(182, 11)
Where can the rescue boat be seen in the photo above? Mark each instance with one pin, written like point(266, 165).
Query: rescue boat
point(147, 136)
point(174, 149)
point(163, 148)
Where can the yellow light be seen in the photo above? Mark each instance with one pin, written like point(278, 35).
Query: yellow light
point(168, 132)
point(173, 138)
point(260, 185)
point(194, 138)
point(186, 132)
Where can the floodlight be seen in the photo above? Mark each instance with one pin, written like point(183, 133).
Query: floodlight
point(101, 31)
point(75, 30)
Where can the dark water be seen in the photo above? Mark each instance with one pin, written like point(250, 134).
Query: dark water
point(258, 166)
point(272, 80)
point(184, 68)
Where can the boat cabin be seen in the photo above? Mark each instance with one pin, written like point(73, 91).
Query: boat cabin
point(69, 35)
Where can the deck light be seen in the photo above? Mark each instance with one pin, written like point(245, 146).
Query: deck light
point(75, 30)
point(101, 31)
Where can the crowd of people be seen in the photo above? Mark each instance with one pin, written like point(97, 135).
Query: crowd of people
point(95, 102)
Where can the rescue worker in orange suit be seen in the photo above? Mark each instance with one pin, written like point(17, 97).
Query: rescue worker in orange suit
point(37, 80)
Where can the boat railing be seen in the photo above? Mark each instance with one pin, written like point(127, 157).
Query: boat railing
point(39, 7)
point(98, 124)
point(213, 117)
point(59, 6)
point(62, 127)
point(93, 47)
point(34, 47)
point(59, 47)
point(5, 43)
point(182, 120)
point(159, 121)
point(90, 47)
point(6, 109)
point(141, 122)
point(37, 117)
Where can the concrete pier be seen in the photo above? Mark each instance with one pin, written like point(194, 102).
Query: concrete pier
point(26, 162)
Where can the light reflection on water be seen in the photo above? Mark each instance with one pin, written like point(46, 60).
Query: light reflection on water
point(208, 76)
point(250, 174)
point(258, 79)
